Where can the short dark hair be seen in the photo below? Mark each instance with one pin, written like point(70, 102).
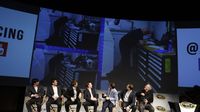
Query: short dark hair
point(130, 86)
point(52, 80)
point(74, 82)
point(87, 84)
point(112, 85)
point(34, 81)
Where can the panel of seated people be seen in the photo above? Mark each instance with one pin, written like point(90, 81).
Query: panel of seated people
point(91, 100)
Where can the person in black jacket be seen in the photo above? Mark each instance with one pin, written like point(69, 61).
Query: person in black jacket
point(131, 41)
point(127, 99)
point(90, 97)
point(73, 95)
point(54, 92)
point(145, 98)
point(36, 93)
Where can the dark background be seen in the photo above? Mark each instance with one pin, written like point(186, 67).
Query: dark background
point(12, 97)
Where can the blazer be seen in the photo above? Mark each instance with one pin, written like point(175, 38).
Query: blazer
point(148, 96)
point(113, 95)
point(131, 97)
point(87, 95)
point(31, 90)
point(50, 91)
point(70, 93)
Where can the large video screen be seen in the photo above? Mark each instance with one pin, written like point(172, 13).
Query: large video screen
point(188, 57)
point(17, 33)
point(74, 46)
point(117, 50)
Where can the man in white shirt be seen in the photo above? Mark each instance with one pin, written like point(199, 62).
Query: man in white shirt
point(127, 99)
point(73, 95)
point(90, 97)
point(55, 95)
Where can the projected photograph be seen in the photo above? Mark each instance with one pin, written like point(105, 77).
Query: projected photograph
point(56, 28)
point(65, 48)
point(140, 52)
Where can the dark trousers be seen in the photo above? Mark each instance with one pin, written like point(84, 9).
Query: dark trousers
point(108, 104)
point(37, 101)
point(125, 104)
point(143, 106)
point(69, 102)
point(90, 103)
point(50, 101)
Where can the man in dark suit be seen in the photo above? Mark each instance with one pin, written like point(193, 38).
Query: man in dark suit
point(55, 95)
point(90, 97)
point(36, 93)
point(145, 98)
point(73, 95)
point(127, 99)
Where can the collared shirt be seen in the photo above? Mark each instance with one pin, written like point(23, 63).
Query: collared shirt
point(90, 90)
point(55, 90)
point(36, 89)
point(126, 96)
point(75, 92)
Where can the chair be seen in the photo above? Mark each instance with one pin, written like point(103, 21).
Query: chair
point(174, 107)
point(72, 108)
point(34, 106)
point(90, 108)
point(53, 107)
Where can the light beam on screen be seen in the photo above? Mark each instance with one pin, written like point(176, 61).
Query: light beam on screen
point(17, 33)
point(188, 42)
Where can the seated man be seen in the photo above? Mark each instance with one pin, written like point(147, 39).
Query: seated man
point(90, 97)
point(73, 95)
point(54, 92)
point(110, 99)
point(36, 93)
point(145, 98)
point(127, 98)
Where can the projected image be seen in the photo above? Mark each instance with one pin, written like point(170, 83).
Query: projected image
point(68, 30)
point(140, 52)
point(64, 65)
